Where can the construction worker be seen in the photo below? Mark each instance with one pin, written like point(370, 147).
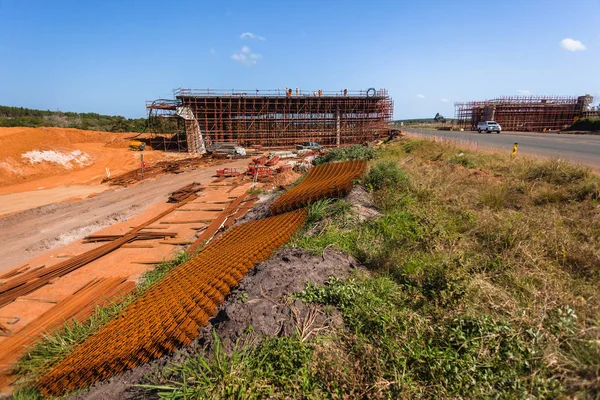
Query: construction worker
point(297, 92)
point(345, 92)
point(290, 92)
point(320, 92)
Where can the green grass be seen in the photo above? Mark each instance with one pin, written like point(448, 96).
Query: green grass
point(355, 152)
point(493, 262)
point(251, 371)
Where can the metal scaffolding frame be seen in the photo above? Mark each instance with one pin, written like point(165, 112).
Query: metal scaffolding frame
point(276, 118)
point(524, 113)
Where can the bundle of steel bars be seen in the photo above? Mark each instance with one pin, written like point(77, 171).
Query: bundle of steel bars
point(78, 306)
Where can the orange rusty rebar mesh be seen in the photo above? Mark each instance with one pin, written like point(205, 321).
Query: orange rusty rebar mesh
point(328, 180)
point(170, 313)
point(269, 118)
point(78, 306)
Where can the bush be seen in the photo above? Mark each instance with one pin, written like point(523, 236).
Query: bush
point(556, 171)
point(386, 175)
point(355, 152)
point(586, 124)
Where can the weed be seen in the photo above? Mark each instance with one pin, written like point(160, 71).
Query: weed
point(556, 171)
point(318, 209)
point(276, 367)
point(355, 152)
point(386, 175)
point(461, 159)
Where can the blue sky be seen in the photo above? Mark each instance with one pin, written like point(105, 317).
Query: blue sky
point(110, 56)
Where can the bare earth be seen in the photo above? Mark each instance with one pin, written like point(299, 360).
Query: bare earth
point(32, 232)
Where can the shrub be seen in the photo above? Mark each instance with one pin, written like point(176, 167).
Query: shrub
point(355, 152)
point(556, 171)
point(386, 175)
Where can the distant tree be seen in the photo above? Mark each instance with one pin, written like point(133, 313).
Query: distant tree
point(439, 118)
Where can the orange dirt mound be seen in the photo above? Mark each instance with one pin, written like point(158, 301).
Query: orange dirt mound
point(44, 158)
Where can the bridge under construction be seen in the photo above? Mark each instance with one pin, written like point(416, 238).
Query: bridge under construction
point(268, 118)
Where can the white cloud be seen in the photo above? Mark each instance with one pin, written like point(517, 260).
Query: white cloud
point(251, 35)
point(444, 100)
point(572, 45)
point(246, 56)
point(523, 91)
point(420, 96)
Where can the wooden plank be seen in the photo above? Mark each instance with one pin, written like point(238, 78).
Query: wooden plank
point(176, 243)
point(138, 246)
point(149, 262)
point(197, 221)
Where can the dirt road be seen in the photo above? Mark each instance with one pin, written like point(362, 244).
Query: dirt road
point(32, 232)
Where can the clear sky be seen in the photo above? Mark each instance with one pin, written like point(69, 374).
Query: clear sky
point(110, 56)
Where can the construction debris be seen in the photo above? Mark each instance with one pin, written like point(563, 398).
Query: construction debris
point(29, 281)
point(181, 194)
point(160, 168)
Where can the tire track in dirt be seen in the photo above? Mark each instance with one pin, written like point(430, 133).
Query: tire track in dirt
point(30, 233)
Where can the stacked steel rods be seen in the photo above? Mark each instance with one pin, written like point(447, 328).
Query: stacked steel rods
point(170, 313)
point(328, 180)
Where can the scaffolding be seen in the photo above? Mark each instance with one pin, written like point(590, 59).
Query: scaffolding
point(271, 118)
point(524, 113)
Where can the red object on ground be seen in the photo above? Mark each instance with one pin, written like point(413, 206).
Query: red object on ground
point(272, 161)
point(228, 172)
point(284, 168)
point(259, 160)
point(260, 170)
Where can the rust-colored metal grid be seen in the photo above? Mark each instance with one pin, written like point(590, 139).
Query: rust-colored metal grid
point(78, 306)
point(171, 312)
point(328, 180)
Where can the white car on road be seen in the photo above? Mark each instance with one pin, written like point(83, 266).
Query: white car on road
point(489, 127)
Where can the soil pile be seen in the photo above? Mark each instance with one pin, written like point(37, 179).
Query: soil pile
point(44, 158)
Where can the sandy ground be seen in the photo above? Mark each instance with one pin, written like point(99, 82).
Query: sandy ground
point(48, 165)
point(32, 232)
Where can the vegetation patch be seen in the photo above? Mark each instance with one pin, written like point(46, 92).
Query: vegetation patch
point(19, 116)
point(352, 153)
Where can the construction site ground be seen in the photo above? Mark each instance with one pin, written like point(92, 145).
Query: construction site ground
point(52, 196)
point(40, 166)
point(30, 233)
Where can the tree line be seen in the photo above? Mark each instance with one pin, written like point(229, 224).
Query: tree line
point(20, 116)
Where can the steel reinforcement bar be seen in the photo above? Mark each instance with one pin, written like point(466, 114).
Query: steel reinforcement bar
point(170, 314)
point(328, 180)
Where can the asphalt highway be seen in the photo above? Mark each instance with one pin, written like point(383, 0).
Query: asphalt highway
point(578, 148)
